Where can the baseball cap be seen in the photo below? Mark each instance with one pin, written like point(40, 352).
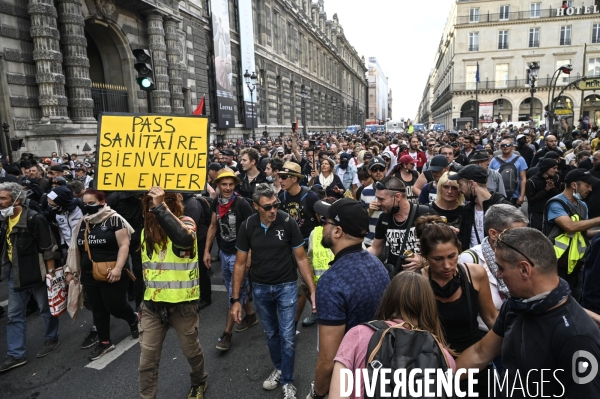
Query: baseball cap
point(407, 159)
point(479, 156)
point(347, 213)
point(521, 136)
point(580, 174)
point(377, 161)
point(471, 172)
point(438, 163)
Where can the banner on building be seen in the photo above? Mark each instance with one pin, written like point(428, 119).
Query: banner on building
point(248, 64)
point(486, 112)
point(137, 151)
point(223, 66)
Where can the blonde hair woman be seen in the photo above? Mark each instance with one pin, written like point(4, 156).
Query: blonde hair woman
point(449, 201)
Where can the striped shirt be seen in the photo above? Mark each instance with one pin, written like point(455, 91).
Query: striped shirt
point(367, 196)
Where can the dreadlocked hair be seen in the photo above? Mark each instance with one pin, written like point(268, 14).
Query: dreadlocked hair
point(154, 236)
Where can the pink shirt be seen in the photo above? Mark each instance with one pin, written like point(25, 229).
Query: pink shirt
point(352, 352)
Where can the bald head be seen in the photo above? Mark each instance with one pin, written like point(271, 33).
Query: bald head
point(551, 142)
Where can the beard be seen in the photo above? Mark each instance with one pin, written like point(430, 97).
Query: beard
point(326, 241)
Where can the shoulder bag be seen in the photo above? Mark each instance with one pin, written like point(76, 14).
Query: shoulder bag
point(100, 270)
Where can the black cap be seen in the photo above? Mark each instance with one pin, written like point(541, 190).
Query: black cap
point(347, 213)
point(552, 155)
point(480, 156)
point(438, 163)
point(214, 166)
point(228, 152)
point(454, 144)
point(545, 164)
point(471, 172)
point(580, 174)
point(377, 161)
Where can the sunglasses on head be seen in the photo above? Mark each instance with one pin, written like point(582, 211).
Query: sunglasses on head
point(267, 208)
point(501, 240)
point(380, 186)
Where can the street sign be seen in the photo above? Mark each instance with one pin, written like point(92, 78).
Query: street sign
point(563, 111)
point(138, 151)
point(589, 84)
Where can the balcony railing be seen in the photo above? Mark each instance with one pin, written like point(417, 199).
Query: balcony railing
point(507, 84)
point(565, 42)
point(534, 43)
point(474, 48)
point(502, 46)
point(507, 16)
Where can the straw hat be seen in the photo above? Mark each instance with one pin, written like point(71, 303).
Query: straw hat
point(226, 172)
point(292, 169)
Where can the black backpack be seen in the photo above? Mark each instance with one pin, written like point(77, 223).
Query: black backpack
point(400, 348)
point(206, 204)
point(510, 175)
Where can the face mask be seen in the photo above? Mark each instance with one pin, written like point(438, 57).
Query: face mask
point(7, 212)
point(270, 179)
point(56, 208)
point(91, 209)
point(343, 164)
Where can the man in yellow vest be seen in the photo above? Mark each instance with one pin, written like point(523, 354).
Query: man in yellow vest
point(171, 274)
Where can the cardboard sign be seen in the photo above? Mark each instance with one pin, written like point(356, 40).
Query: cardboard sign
point(138, 151)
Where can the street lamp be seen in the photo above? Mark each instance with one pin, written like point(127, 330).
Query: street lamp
point(533, 71)
point(251, 82)
point(566, 69)
point(304, 95)
point(333, 104)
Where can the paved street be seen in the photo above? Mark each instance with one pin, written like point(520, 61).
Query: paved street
point(67, 373)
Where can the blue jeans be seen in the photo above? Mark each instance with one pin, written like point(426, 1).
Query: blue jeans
point(276, 306)
point(16, 328)
point(227, 265)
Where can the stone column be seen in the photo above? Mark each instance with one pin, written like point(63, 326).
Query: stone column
point(77, 65)
point(48, 61)
point(174, 65)
point(156, 36)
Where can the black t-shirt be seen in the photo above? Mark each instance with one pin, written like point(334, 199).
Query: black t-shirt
point(102, 242)
point(393, 232)
point(229, 224)
point(561, 338)
point(412, 197)
point(272, 258)
point(292, 204)
point(453, 215)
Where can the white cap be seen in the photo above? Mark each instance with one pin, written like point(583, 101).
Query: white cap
point(520, 135)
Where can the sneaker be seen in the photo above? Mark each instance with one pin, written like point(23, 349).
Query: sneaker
point(91, 339)
point(310, 320)
point(204, 303)
point(289, 391)
point(224, 341)
point(135, 332)
point(11, 363)
point(48, 347)
point(271, 383)
point(100, 350)
point(197, 391)
point(248, 321)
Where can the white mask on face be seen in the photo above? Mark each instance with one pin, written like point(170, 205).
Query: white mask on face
point(8, 212)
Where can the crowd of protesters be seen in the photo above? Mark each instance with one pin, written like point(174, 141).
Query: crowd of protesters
point(486, 239)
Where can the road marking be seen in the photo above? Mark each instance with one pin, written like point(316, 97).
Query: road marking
point(4, 303)
point(220, 288)
point(120, 348)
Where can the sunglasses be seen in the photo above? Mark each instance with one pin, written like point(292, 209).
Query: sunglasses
point(505, 145)
point(267, 208)
point(500, 239)
point(377, 169)
point(283, 177)
point(380, 186)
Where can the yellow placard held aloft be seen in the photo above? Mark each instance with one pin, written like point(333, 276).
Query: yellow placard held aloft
point(135, 152)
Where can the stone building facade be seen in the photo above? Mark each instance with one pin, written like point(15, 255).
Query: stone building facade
point(62, 62)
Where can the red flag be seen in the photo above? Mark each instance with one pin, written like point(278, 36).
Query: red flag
point(200, 108)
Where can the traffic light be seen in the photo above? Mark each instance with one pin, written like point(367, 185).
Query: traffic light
point(144, 64)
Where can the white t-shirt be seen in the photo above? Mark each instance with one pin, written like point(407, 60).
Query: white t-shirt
point(479, 226)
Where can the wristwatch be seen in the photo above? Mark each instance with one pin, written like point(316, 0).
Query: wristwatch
point(233, 300)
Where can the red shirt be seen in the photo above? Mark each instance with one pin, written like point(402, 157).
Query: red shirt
point(421, 157)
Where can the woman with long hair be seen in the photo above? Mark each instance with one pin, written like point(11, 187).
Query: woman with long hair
point(107, 234)
point(462, 291)
point(408, 299)
point(331, 183)
point(449, 201)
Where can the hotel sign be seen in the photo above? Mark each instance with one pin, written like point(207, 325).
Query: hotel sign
point(582, 10)
point(589, 84)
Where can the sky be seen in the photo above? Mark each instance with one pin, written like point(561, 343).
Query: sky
point(404, 35)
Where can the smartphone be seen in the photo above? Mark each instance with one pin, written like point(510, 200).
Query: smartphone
point(294, 126)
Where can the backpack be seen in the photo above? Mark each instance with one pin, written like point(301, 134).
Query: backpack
point(399, 348)
point(510, 175)
point(206, 204)
point(304, 191)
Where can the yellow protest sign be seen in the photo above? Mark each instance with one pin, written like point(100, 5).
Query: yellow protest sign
point(135, 152)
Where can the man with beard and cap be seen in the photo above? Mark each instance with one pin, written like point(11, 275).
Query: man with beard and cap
point(349, 292)
point(82, 176)
point(457, 156)
point(551, 145)
point(347, 173)
point(524, 149)
point(495, 184)
point(415, 152)
point(540, 188)
point(472, 182)
point(32, 189)
point(228, 155)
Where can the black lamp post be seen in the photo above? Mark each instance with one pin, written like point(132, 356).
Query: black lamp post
point(566, 69)
point(251, 82)
point(333, 105)
point(304, 96)
point(533, 71)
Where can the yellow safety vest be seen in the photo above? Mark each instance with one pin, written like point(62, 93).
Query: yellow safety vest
point(577, 247)
point(172, 279)
point(321, 256)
